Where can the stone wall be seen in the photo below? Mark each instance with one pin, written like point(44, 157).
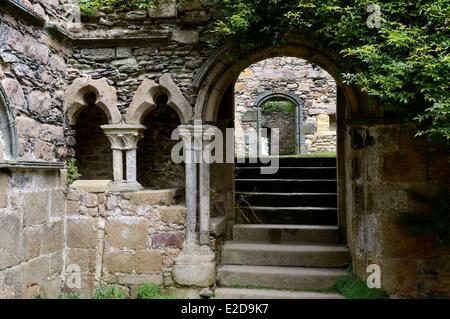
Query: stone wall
point(314, 86)
point(381, 172)
point(92, 149)
point(32, 203)
point(126, 239)
point(155, 166)
point(32, 214)
point(33, 75)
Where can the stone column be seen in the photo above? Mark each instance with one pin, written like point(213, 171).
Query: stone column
point(124, 138)
point(205, 190)
point(195, 265)
point(187, 134)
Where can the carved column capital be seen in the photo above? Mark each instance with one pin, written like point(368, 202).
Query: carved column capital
point(123, 136)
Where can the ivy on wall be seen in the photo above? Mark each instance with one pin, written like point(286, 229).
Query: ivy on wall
point(88, 7)
point(400, 49)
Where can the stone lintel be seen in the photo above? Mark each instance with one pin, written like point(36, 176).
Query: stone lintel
point(91, 186)
point(124, 186)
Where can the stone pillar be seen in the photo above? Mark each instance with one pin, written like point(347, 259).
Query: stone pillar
point(187, 134)
point(195, 265)
point(124, 138)
point(205, 189)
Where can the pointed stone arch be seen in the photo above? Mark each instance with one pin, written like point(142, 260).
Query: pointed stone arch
point(144, 100)
point(105, 99)
point(8, 133)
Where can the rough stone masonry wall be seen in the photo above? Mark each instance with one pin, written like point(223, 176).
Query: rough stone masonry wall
point(380, 174)
point(310, 83)
point(32, 211)
point(32, 204)
point(126, 239)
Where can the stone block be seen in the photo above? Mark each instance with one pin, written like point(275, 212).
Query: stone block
point(173, 214)
point(82, 233)
point(98, 54)
point(32, 241)
point(89, 200)
point(148, 261)
point(53, 239)
point(169, 239)
point(119, 261)
point(56, 263)
point(127, 232)
point(13, 283)
point(84, 258)
point(154, 197)
point(72, 207)
point(35, 208)
point(91, 186)
point(164, 9)
point(4, 189)
point(185, 36)
point(10, 240)
point(73, 194)
point(57, 203)
point(133, 279)
point(37, 270)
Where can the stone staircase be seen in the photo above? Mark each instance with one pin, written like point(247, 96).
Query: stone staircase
point(286, 244)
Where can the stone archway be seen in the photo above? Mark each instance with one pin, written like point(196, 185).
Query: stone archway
point(276, 94)
point(145, 100)
point(105, 99)
point(219, 74)
point(8, 133)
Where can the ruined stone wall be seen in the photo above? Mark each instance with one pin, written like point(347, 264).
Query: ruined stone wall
point(92, 148)
point(380, 174)
point(155, 166)
point(315, 87)
point(32, 212)
point(126, 239)
point(32, 203)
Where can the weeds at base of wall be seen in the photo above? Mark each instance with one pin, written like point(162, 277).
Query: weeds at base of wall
point(148, 290)
point(352, 287)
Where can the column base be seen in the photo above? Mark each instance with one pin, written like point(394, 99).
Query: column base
point(195, 266)
point(125, 186)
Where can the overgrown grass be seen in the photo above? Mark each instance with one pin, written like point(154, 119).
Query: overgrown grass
point(151, 290)
point(69, 295)
point(109, 292)
point(353, 288)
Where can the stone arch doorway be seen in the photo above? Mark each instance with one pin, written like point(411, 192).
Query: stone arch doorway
point(291, 137)
point(215, 104)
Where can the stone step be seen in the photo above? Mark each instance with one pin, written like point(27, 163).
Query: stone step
point(289, 162)
point(243, 293)
point(311, 255)
point(288, 199)
point(288, 215)
point(288, 172)
point(278, 277)
point(289, 234)
point(275, 185)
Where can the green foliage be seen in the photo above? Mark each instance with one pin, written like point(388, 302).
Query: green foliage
point(69, 295)
point(108, 292)
point(149, 291)
point(275, 106)
point(38, 297)
point(404, 64)
point(88, 7)
point(72, 170)
point(353, 288)
point(152, 290)
point(436, 224)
